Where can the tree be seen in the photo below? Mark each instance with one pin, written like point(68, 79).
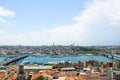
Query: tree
point(101, 63)
point(118, 64)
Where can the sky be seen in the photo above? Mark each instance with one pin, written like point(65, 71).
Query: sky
point(62, 22)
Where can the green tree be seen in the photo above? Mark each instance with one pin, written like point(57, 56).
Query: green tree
point(119, 65)
point(101, 63)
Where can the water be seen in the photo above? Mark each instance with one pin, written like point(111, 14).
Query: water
point(44, 60)
point(2, 58)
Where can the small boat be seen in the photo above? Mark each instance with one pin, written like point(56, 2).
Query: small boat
point(88, 54)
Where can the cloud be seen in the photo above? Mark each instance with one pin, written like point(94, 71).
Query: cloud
point(5, 13)
point(4, 21)
point(98, 23)
point(102, 22)
point(2, 31)
point(60, 35)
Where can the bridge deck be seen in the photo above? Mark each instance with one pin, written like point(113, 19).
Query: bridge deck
point(12, 60)
point(115, 57)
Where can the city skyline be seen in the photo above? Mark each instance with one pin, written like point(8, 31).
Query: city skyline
point(62, 22)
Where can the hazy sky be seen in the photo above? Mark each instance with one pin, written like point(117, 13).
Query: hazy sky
point(62, 22)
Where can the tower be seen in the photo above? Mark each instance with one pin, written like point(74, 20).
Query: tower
point(21, 74)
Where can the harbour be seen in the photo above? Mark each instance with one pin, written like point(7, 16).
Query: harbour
point(47, 59)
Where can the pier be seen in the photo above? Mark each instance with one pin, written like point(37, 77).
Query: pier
point(9, 61)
